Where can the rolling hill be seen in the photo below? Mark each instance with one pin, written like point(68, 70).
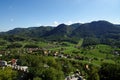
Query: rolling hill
point(104, 31)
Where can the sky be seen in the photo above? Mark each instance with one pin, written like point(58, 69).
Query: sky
point(30, 13)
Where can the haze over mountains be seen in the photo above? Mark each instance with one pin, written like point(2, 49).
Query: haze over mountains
point(97, 29)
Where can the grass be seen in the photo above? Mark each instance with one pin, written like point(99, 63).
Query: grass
point(80, 42)
point(100, 52)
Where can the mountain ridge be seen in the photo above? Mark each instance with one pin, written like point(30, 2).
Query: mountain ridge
point(97, 29)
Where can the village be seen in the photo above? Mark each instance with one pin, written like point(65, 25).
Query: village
point(13, 62)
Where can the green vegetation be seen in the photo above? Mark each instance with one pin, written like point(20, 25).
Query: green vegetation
point(8, 74)
point(109, 71)
point(69, 58)
point(92, 50)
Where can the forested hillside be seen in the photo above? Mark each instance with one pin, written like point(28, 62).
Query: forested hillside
point(89, 51)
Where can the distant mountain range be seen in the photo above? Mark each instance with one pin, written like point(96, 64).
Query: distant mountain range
point(97, 29)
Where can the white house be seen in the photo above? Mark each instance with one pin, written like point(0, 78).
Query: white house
point(3, 63)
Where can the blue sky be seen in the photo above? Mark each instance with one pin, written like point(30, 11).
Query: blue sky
point(28, 13)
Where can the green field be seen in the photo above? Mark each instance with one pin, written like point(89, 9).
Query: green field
point(74, 57)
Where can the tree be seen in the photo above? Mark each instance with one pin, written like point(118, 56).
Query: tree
point(14, 45)
point(37, 78)
point(31, 46)
point(93, 73)
point(3, 42)
point(109, 71)
point(88, 41)
point(52, 74)
point(8, 74)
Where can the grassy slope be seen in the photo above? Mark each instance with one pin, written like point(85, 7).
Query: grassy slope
point(103, 53)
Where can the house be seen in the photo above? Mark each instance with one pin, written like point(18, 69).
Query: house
point(24, 68)
point(45, 52)
point(71, 77)
point(3, 63)
point(14, 61)
point(60, 55)
point(20, 68)
point(55, 54)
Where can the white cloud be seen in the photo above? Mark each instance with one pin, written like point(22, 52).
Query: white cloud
point(55, 23)
point(72, 22)
point(69, 22)
point(38, 24)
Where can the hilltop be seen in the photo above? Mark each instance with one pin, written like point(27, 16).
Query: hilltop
point(102, 31)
